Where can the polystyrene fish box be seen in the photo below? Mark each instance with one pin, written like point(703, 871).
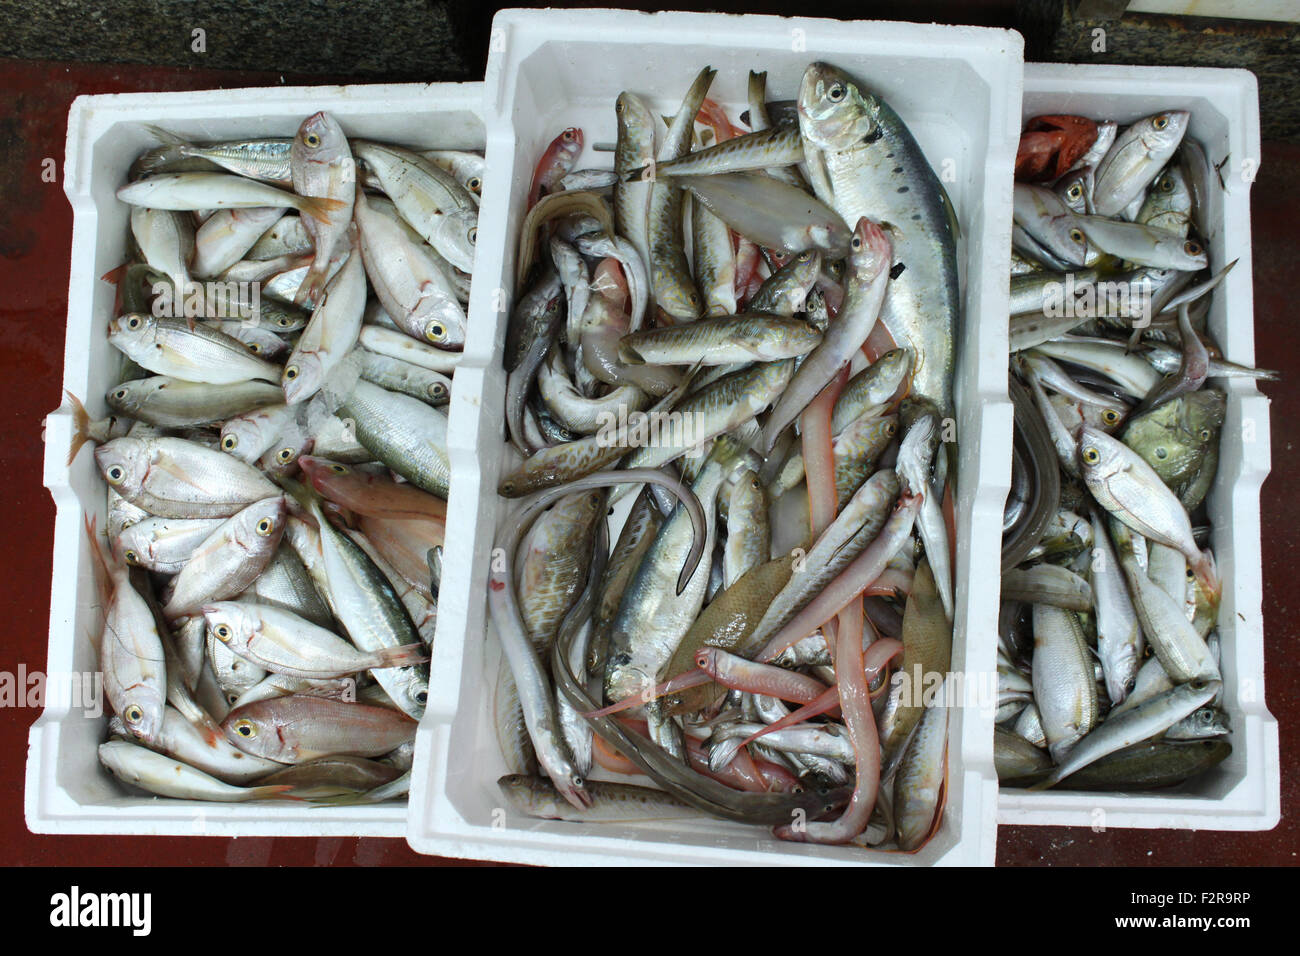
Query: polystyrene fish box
point(67, 789)
point(1243, 792)
point(958, 89)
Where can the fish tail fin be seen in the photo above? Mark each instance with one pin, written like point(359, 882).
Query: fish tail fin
point(1045, 783)
point(305, 496)
point(320, 207)
point(402, 656)
point(1207, 572)
point(99, 564)
point(313, 286)
point(166, 137)
point(279, 791)
point(80, 425)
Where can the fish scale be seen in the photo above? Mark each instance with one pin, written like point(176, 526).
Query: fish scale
point(884, 176)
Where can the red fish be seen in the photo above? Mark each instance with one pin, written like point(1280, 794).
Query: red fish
point(1052, 144)
point(556, 163)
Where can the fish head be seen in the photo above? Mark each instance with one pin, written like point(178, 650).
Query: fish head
point(870, 250)
point(1075, 188)
point(455, 236)
point(302, 377)
point(1162, 132)
point(1189, 253)
point(534, 795)
point(240, 434)
point(834, 113)
point(124, 462)
point(445, 331)
point(132, 327)
point(229, 622)
point(1201, 414)
point(260, 526)
point(128, 397)
point(569, 143)
point(409, 690)
point(141, 710)
point(1099, 455)
point(806, 267)
point(320, 139)
point(1120, 666)
point(251, 730)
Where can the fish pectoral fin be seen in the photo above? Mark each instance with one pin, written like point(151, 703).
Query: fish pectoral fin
point(176, 471)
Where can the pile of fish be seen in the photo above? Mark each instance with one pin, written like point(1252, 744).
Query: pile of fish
point(276, 462)
point(1108, 660)
point(739, 342)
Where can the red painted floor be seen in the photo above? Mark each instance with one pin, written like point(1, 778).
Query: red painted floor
point(35, 235)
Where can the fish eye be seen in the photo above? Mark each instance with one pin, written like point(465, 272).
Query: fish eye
point(473, 235)
point(290, 373)
point(835, 93)
point(246, 728)
point(284, 455)
point(133, 713)
point(421, 697)
point(1075, 191)
point(265, 527)
point(339, 469)
point(230, 442)
point(567, 135)
point(134, 322)
point(437, 390)
point(222, 632)
point(1191, 574)
point(474, 184)
point(435, 331)
point(1076, 235)
point(1166, 183)
point(284, 321)
point(693, 299)
point(856, 243)
point(1091, 456)
point(120, 394)
point(1160, 122)
point(311, 140)
point(891, 429)
point(1162, 453)
point(1110, 416)
point(806, 255)
point(1205, 434)
point(1192, 247)
point(255, 348)
point(131, 556)
point(116, 474)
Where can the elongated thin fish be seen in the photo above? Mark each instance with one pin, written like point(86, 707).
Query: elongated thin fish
point(168, 777)
point(192, 191)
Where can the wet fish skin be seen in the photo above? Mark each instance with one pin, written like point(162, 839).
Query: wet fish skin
point(1064, 688)
point(174, 478)
point(863, 161)
point(1136, 158)
point(297, 729)
point(167, 777)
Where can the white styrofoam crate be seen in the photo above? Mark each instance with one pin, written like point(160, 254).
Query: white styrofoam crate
point(67, 790)
point(1242, 793)
point(958, 89)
